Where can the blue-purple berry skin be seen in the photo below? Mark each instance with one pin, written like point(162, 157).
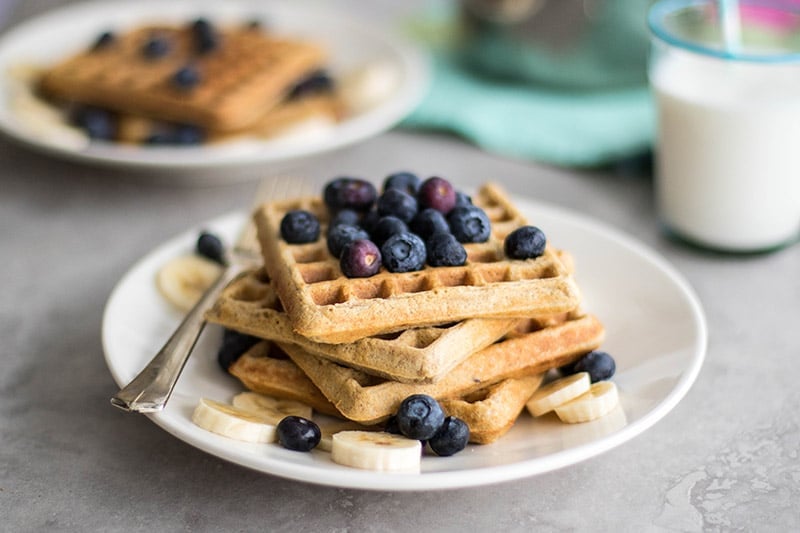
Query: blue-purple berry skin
point(350, 193)
point(360, 259)
point(437, 193)
point(443, 249)
point(469, 224)
point(339, 236)
point(420, 417)
point(526, 242)
point(298, 433)
point(405, 181)
point(600, 365)
point(299, 227)
point(451, 438)
point(427, 222)
point(462, 199)
point(403, 252)
point(186, 78)
point(211, 247)
point(234, 344)
point(397, 203)
point(385, 227)
point(346, 216)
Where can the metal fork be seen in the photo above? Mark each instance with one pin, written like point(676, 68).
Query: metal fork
point(150, 390)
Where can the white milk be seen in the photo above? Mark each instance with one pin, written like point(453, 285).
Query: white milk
point(728, 150)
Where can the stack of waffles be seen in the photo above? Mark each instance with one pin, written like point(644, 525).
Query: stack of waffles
point(477, 337)
point(243, 82)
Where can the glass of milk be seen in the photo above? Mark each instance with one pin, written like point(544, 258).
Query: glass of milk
point(728, 139)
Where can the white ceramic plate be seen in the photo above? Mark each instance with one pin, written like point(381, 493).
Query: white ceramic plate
point(655, 330)
point(352, 43)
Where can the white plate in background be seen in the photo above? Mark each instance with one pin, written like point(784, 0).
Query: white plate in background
point(655, 329)
point(352, 43)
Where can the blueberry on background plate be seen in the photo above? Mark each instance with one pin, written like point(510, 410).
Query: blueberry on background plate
point(360, 259)
point(469, 224)
point(437, 193)
point(187, 77)
point(210, 246)
point(403, 252)
point(317, 82)
point(445, 250)
point(339, 236)
point(526, 242)
point(385, 227)
point(405, 181)
point(299, 227)
point(420, 417)
point(397, 203)
point(188, 135)
point(234, 344)
point(427, 222)
point(298, 433)
point(451, 438)
point(205, 36)
point(350, 193)
point(99, 124)
point(599, 365)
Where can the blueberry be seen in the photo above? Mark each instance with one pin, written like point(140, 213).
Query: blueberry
point(299, 227)
point(187, 77)
point(159, 137)
point(205, 36)
point(419, 417)
point(345, 216)
point(403, 252)
point(385, 227)
point(104, 40)
point(526, 242)
point(298, 433)
point(369, 220)
point(397, 203)
point(318, 82)
point(187, 135)
point(469, 224)
point(234, 344)
point(392, 426)
point(360, 259)
point(98, 123)
point(210, 246)
point(463, 200)
point(451, 438)
point(445, 250)
point(339, 236)
point(599, 365)
point(405, 181)
point(156, 47)
point(350, 193)
point(427, 222)
point(438, 194)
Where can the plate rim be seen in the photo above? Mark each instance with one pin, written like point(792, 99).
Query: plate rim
point(414, 64)
point(473, 477)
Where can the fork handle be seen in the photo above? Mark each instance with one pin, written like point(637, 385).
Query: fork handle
point(150, 390)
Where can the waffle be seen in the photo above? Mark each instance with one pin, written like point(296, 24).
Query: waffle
point(488, 412)
point(529, 350)
point(491, 412)
point(249, 305)
point(326, 306)
point(248, 74)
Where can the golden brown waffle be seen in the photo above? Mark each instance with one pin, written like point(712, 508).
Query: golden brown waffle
point(266, 370)
point(530, 350)
point(246, 75)
point(249, 305)
point(326, 306)
point(491, 412)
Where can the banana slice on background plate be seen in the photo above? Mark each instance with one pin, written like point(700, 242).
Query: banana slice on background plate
point(558, 392)
point(272, 409)
point(378, 451)
point(184, 279)
point(600, 400)
point(233, 422)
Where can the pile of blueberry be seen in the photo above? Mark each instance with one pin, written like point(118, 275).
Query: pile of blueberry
point(410, 224)
point(420, 417)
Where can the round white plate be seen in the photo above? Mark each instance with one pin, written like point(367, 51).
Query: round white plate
point(352, 43)
point(655, 330)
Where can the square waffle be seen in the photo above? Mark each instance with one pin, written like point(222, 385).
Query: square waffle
point(249, 305)
point(246, 75)
point(529, 350)
point(326, 306)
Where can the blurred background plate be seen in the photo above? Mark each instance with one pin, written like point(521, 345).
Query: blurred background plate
point(352, 43)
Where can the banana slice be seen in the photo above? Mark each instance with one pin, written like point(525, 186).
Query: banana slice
point(329, 429)
point(379, 451)
point(269, 408)
point(558, 392)
point(184, 279)
point(601, 398)
point(232, 422)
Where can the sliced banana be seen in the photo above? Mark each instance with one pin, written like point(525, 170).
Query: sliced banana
point(601, 398)
point(232, 422)
point(379, 451)
point(329, 429)
point(272, 409)
point(184, 279)
point(558, 392)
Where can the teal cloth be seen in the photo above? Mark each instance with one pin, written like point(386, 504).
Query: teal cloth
point(570, 118)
